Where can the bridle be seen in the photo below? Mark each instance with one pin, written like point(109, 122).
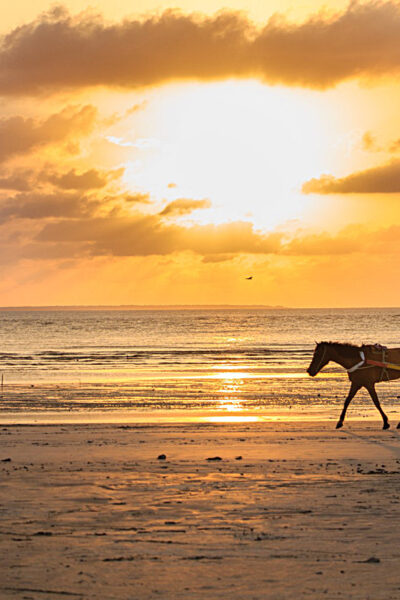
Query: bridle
point(321, 360)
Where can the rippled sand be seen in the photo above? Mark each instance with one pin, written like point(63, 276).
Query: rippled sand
point(282, 511)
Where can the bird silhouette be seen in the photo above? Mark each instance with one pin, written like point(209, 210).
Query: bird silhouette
point(249, 278)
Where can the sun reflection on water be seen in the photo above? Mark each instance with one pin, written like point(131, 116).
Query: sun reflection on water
point(232, 419)
point(230, 386)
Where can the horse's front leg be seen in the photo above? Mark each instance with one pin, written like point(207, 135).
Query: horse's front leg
point(353, 391)
point(375, 400)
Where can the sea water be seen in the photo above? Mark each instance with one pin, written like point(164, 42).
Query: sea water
point(147, 360)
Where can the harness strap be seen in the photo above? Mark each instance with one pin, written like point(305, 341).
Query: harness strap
point(383, 365)
point(359, 364)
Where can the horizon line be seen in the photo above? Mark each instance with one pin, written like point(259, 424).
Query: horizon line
point(110, 307)
point(139, 306)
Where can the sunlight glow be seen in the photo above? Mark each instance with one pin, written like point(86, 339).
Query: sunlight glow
point(229, 388)
point(244, 146)
point(232, 419)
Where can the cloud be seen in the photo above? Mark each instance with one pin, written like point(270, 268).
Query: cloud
point(41, 206)
point(58, 51)
point(368, 142)
point(147, 235)
point(183, 206)
point(117, 117)
point(19, 135)
point(144, 235)
point(323, 244)
point(88, 180)
point(137, 198)
point(20, 180)
point(350, 240)
point(395, 146)
point(70, 225)
point(24, 180)
point(384, 179)
point(218, 258)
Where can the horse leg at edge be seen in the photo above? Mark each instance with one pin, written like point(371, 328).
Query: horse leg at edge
point(353, 391)
point(375, 400)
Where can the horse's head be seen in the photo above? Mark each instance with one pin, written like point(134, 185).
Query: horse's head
point(319, 360)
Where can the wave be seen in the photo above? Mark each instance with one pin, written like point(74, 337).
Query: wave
point(162, 357)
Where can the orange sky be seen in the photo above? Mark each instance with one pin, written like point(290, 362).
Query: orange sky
point(162, 156)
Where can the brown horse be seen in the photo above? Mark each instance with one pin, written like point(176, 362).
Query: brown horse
point(366, 365)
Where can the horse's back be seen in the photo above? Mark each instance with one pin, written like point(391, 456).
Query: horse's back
point(382, 354)
point(393, 355)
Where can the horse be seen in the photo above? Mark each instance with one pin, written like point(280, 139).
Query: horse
point(366, 365)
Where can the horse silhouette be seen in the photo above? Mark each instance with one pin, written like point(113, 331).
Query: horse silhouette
point(366, 365)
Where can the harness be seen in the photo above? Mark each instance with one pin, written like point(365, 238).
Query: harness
point(368, 363)
point(359, 364)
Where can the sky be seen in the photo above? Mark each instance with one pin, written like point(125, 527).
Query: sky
point(166, 154)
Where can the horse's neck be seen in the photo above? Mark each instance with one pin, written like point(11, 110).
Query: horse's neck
point(344, 361)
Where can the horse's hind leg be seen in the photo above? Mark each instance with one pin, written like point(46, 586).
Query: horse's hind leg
point(375, 400)
point(353, 391)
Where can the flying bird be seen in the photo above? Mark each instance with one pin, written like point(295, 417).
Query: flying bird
point(249, 278)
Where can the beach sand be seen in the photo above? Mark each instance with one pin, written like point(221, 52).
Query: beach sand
point(292, 510)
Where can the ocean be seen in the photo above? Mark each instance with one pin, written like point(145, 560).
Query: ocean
point(153, 362)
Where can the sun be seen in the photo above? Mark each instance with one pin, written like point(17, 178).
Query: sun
point(244, 146)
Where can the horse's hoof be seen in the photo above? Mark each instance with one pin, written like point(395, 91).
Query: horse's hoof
point(339, 424)
point(386, 426)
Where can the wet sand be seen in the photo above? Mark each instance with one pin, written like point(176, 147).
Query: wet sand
point(284, 510)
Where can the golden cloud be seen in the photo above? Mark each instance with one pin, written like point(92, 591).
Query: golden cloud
point(384, 179)
point(41, 206)
point(24, 180)
point(87, 180)
point(18, 180)
point(70, 224)
point(144, 235)
point(19, 135)
point(183, 206)
point(58, 51)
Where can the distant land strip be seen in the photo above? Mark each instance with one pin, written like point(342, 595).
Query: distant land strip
point(148, 307)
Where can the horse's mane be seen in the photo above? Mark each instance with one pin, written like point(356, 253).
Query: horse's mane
point(343, 347)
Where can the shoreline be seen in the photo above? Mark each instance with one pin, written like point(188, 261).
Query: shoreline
point(315, 414)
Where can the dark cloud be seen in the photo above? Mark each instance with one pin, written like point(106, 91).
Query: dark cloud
point(137, 198)
point(218, 258)
point(24, 180)
point(74, 227)
point(384, 179)
point(19, 135)
point(41, 206)
point(146, 235)
point(183, 206)
point(20, 180)
point(58, 51)
point(55, 251)
point(87, 180)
